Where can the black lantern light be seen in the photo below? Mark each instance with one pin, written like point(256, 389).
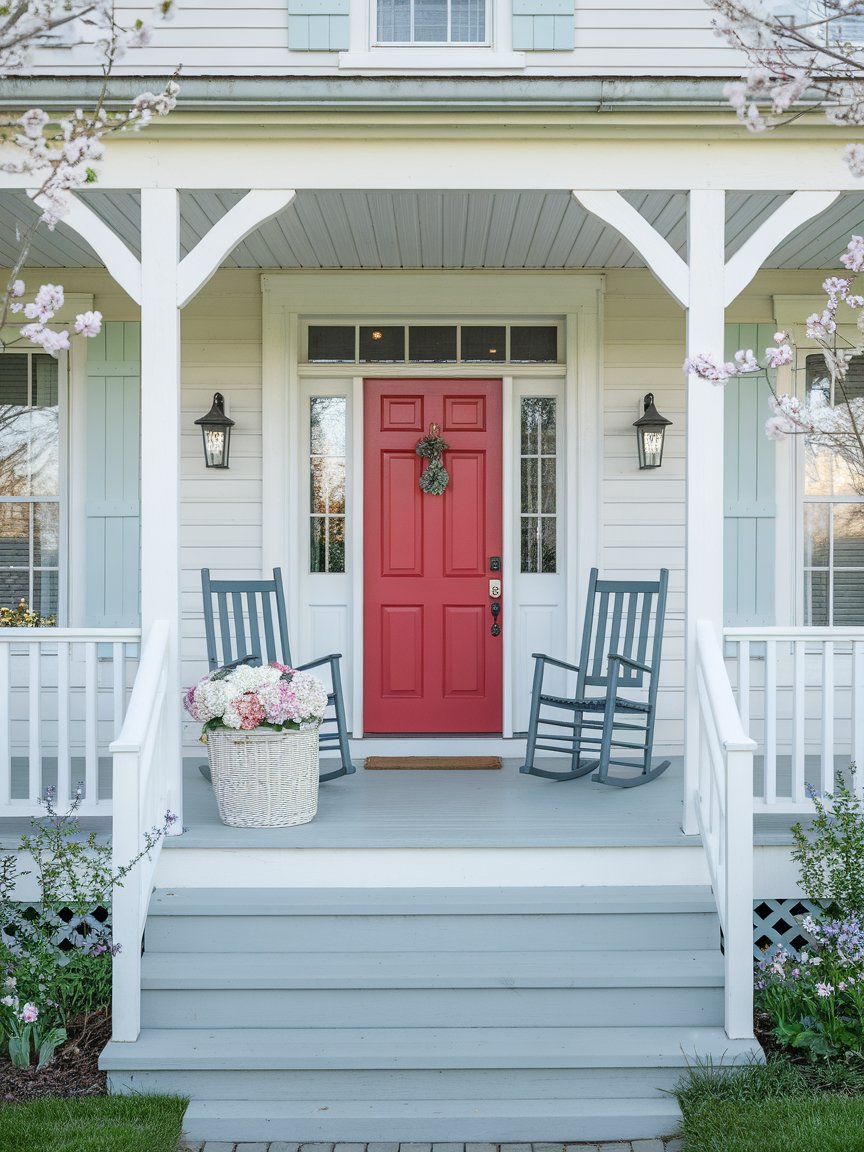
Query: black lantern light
point(650, 434)
point(216, 430)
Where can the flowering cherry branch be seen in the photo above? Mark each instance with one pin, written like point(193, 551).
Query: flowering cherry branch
point(60, 156)
point(838, 426)
point(795, 65)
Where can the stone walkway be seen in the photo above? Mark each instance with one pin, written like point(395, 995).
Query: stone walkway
point(668, 1145)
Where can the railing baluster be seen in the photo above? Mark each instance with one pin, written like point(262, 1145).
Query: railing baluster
point(826, 776)
point(34, 721)
point(858, 713)
point(64, 732)
point(744, 683)
point(91, 741)
point(799, 689)
point(5, 743)
point(118, 652)
point(770, 751)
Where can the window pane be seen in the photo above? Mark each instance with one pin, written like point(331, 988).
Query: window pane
point(530, 429)
point(530, 543)
point(45, 593)
point(529, 485)
point(433, 343)
point(849, 536)
point(46, 534)
point(13, 379)
point(483, 342)
point(327, 422)
point(336, 559)
point(816, 599)
point(318, 544)
point(45, 382)
point(14, 553)
point(45, 452)
point(385, 344)
point(848, 599)
point(430, 21)
point(548, 406)
point(534, 345)
point(548, 556)
point(816, 518)
point(394, 21)
point(333, 344)
point(547, 485)
point(467, 21)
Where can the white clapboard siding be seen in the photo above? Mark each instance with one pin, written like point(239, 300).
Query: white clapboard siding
point(631, 37)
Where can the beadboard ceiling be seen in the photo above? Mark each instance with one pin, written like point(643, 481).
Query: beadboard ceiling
point(402, 229)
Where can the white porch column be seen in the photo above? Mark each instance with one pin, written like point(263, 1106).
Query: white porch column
point(704, 463)
point(160, 448)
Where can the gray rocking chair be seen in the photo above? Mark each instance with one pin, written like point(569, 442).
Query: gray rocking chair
point(618, 654)
point(245, 609)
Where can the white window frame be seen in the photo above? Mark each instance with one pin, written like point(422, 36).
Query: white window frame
point(367, 55)
point(412, 43)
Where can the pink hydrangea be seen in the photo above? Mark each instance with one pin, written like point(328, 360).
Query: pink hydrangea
point(250, 710)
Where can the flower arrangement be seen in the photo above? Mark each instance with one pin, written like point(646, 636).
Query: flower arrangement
point(816, 999)
point(243, 698)
point(23, 617)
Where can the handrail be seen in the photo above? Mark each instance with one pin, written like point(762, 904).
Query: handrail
point(725, 814)
point(101, 635)
point(775, 632)
point(141, 789)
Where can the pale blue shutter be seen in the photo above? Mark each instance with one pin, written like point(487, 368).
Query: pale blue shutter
point(318, 25)
point(112, 470)
point(544, 26)
point(750, 507)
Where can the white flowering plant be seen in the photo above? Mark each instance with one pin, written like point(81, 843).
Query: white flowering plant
point(242, 698)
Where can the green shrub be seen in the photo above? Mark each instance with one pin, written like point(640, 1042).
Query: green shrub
point(830, 852)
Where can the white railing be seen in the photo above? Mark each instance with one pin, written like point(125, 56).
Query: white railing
point(144, 753)
point(800, 694)
point(63, 697)
point(725, 813)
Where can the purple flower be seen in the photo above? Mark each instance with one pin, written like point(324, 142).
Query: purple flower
point(29, 1013)
point(824, 990)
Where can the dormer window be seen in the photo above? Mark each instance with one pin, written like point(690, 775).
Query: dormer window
point(431, 21)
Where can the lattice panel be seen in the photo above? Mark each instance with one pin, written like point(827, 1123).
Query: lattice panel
point(776, 925)
point(69, 929)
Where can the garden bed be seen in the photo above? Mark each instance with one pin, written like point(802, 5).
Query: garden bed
point(73, 1072)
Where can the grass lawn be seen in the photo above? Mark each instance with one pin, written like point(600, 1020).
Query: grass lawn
point(92, 1124)
point(774, 1106)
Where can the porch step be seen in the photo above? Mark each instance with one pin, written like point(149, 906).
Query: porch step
point(423, 920)
point(353, 1014)
point(496, 1121)
point(445, 989)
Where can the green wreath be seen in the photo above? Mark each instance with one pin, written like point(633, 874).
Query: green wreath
point(434, 478)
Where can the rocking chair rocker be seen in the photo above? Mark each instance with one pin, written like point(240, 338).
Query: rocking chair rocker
point(244, 607)
point(615, 656)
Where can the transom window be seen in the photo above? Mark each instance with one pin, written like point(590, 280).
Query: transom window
point(833, 517)
point(29, 482)
point(434, 344)
point(431, 21)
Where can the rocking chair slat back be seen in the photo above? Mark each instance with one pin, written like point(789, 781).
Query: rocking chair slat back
point(240, 627)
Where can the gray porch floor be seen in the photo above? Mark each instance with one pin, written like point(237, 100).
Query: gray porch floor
point(450, 809)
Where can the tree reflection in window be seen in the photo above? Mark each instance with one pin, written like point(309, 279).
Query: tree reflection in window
point(538, 491)
point(327, 439)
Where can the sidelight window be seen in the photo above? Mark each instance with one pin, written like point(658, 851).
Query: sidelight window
point(538, 484)
point(327, 444)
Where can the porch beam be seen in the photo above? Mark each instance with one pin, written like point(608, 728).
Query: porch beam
point(255, 209)
point(792, 213)
point(124, 266)
point(658, 253)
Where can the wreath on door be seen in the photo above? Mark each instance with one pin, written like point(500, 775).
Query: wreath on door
point(434, 478)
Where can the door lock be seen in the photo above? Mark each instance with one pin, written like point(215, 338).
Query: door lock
point(494, 589)
point(496, 627)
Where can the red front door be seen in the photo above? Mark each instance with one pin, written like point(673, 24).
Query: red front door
point(431, 662)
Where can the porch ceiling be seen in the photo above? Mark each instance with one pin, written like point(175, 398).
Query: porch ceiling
point(403, 229)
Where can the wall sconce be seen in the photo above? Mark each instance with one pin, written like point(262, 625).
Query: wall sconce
point(216, 430)
point(650, 434)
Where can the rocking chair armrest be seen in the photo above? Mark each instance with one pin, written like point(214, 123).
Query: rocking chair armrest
point(630, 663)
point(551, 660)
point(317, 663)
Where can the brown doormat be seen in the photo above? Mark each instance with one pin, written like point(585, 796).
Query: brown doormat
point(468, 763)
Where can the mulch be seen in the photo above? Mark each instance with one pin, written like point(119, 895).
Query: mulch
point(74, 1070)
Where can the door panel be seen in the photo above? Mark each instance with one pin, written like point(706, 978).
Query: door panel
point(431, 662)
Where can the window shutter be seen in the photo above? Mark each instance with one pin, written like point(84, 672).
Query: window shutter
point(318, 25)
point(544, 25)
point(112, 466)
point(749, 488)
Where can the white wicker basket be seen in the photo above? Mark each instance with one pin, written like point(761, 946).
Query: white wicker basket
point(264, 779)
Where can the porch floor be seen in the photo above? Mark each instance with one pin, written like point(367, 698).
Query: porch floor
point(452, 809)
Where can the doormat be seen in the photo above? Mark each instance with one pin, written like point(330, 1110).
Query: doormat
point(407, 763)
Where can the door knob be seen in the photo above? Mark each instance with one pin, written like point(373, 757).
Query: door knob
point(496, 608)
